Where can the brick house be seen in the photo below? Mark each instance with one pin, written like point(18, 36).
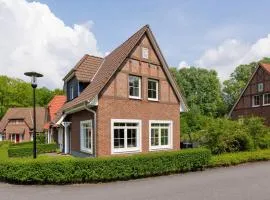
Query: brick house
point(255, 97)
point(17, 124)
point(126, 102)
point(52, 108)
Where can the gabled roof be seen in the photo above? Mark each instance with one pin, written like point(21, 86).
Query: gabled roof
point(27, 115)
point(18, 129)
point(85, 69)
point(53, 107)
point(266, 67)
point(111, 64)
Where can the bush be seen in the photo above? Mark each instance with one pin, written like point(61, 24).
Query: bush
point(229, 159)
point(27, 150)
point(87, 170)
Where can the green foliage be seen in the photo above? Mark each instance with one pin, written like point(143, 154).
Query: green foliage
point(86, 170)
point(201, 88)
point(229, 159)
point(222, 135)
point(17, 93)
point(41, 138)
point(27, 150)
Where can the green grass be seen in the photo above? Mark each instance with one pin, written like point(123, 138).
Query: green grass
point(229, 159)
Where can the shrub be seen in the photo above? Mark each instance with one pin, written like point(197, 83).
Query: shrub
point(86, 170)
point(27, 150)
point(238, 158)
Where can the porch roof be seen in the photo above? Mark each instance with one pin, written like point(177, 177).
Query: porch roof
point(15, 129)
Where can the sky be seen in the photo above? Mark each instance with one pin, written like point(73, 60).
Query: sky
point(50, 36)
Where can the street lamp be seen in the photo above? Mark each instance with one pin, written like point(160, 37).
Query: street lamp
point(34, 76)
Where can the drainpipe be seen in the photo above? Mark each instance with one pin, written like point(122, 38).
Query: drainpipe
point(95, 127)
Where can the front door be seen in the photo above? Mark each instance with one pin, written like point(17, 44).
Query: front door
point(17, 138)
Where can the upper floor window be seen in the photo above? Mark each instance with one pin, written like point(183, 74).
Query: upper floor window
point(260, 87)
point(16, 121)
point(152, 89)
point(71, 92)
point(255, 101)
point(145, 53)
point(134, 87)
point(266, 99)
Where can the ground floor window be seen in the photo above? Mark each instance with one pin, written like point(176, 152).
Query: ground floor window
point(86, 135)
point(16, 138)
point(160, 133)
point(126, 135)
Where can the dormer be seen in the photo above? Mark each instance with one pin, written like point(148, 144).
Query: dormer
point(81, 75)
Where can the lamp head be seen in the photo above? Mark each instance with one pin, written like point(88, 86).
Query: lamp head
point(34, 76)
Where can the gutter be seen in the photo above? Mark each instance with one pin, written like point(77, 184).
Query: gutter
point(87, 107)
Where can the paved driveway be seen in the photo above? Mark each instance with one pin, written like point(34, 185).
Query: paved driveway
point(245, 182)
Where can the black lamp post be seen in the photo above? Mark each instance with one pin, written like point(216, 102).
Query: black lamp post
point(34, 76)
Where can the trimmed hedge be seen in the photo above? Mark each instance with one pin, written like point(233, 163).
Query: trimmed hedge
point(229, 159)
point(88, 170)
point(27, 150)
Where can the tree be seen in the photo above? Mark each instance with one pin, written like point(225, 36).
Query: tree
point(202, 88)
point(18, 93)
point(237, 81)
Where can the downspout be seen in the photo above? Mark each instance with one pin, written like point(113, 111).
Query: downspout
point(95, 127)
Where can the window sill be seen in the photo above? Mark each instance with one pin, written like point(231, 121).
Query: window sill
point(135, 98)
point(266, 104)
point(131, 151)
point(255, 106)
point(154, 100)
point(165, 148)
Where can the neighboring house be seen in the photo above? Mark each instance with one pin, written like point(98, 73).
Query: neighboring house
point(52, 108)
point(255, 98)
point(127, 102)
point(17, 124)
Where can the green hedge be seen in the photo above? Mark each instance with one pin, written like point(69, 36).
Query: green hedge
point(87, 170)
point(229, 159)
point(27, 150)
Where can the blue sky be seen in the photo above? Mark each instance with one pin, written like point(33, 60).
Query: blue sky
point(50, 36)
point(184, 28)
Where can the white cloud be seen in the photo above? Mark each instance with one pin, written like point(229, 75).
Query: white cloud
point(182, 64)
point(225, 57)
point(33, 38)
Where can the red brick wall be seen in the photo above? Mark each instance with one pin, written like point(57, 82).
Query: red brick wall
point(111, 108)
point(75, 120)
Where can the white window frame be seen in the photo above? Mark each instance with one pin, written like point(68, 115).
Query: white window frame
point(260, 87)
point(83, 149)
point(253, 101)
point(71, 92)
point(170, 135)
point(145, 53)
point(157, 89)
point(140, 87)
point(127, 149)
point(265, 104)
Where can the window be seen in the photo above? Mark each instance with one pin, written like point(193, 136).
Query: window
point(16, 121)
point(126, 135)
point(160, 133)
point(260, 87)
point(145, 53)
point(256, 101)
point(134, 87)
point(152, 90)
point(266, 99)
point(86, 134)
point(71, 92)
